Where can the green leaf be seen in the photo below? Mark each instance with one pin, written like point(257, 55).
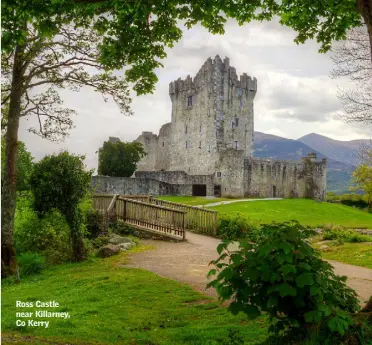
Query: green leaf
point(212, 272)
point(286, 290)
point(304, 279)
point(313, 316)
point(288, 269)
point(252, 311)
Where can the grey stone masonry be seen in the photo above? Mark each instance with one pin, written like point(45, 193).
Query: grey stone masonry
point(208, 144)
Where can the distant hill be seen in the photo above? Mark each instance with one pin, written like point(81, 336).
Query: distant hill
point(342, 151)
point(275, 147)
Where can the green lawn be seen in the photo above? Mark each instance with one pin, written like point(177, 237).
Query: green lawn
point(359, 254)
point(191, 200)
point(306, 212)
point(112, 304)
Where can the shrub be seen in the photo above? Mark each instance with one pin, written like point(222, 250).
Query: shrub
point(236, 227)
point(284, 276)
point(30, 263)
point(48, 236)
point(343, 235)
point(122, 228)
point(95, 223)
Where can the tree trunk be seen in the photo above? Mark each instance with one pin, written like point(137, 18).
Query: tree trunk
point(365, 9)
point(74, 220)
point(8, 192)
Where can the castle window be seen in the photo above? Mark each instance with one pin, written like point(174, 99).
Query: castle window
point(186, 144)
point(163, 143)
point(241, 102)
point(200, 129)
point(235, 145)
point(199, 144)
point(239, 91)
point(218, 174)
point(185, 129)
point(209, 148)
point(189, 101)
point(236, 122)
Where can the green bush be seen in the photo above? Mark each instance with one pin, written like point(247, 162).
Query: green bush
point(30, 263)
point(95, 223)
point(100, 241)
point(121, 228)
point(237, 227)
point(284, 276)
point(343, 235)
point(48, 236)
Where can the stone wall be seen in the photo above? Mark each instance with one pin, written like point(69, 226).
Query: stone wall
point(275, 178)
point(137, 186)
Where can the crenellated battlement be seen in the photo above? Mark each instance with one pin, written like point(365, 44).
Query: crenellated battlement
point(207, 74)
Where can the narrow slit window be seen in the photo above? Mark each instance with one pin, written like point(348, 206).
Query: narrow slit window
point(199, 144)
point(186, 144)
point(185, 129)
point(189, 101)
point(235, 145)
point(218, 173)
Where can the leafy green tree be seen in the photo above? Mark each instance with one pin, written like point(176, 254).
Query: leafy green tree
point(362, 178)
point(61, 182)
point(32, 75)
point(282, 275)
point(119, 158)
point(24, 165)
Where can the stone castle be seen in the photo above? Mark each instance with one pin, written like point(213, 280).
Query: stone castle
point(207, 148)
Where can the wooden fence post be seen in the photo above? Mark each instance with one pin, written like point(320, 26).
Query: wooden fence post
point(124, 210)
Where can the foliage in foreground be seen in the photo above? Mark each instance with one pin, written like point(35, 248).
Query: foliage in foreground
point(281, 274)
point(61, 182)
point(48, 236)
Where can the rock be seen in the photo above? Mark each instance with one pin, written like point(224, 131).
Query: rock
point(108, 250)
point(119, 240)
point(324, 248)
point(126, 246)
point(136, 233)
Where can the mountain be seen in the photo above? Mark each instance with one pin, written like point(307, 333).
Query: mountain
point(275, 147)
point(342, 151)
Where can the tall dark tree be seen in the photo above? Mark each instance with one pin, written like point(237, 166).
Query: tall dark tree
point(60, 182)
point(119, 158)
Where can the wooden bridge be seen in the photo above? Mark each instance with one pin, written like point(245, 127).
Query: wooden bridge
point(154, 215)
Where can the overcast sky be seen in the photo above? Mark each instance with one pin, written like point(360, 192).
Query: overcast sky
point(295, 95)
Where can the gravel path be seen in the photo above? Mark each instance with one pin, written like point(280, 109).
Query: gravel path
point(188, 262)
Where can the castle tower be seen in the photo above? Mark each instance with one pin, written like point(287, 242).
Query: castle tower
point(211, 113)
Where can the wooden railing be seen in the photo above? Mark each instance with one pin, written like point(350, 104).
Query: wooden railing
point(152, 217)
point(197, 219)
point(101, 202)
point(147, 216)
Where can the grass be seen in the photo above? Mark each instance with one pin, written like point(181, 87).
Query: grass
point(359, 254)
point(306, 212)
point(112, 304)
point(191, 200)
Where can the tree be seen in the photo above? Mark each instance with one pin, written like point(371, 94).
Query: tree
point(60, 182)
point(31, 76)
point(352, 59)
point(362, 178)
point(24, 165)
point(119, 158)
